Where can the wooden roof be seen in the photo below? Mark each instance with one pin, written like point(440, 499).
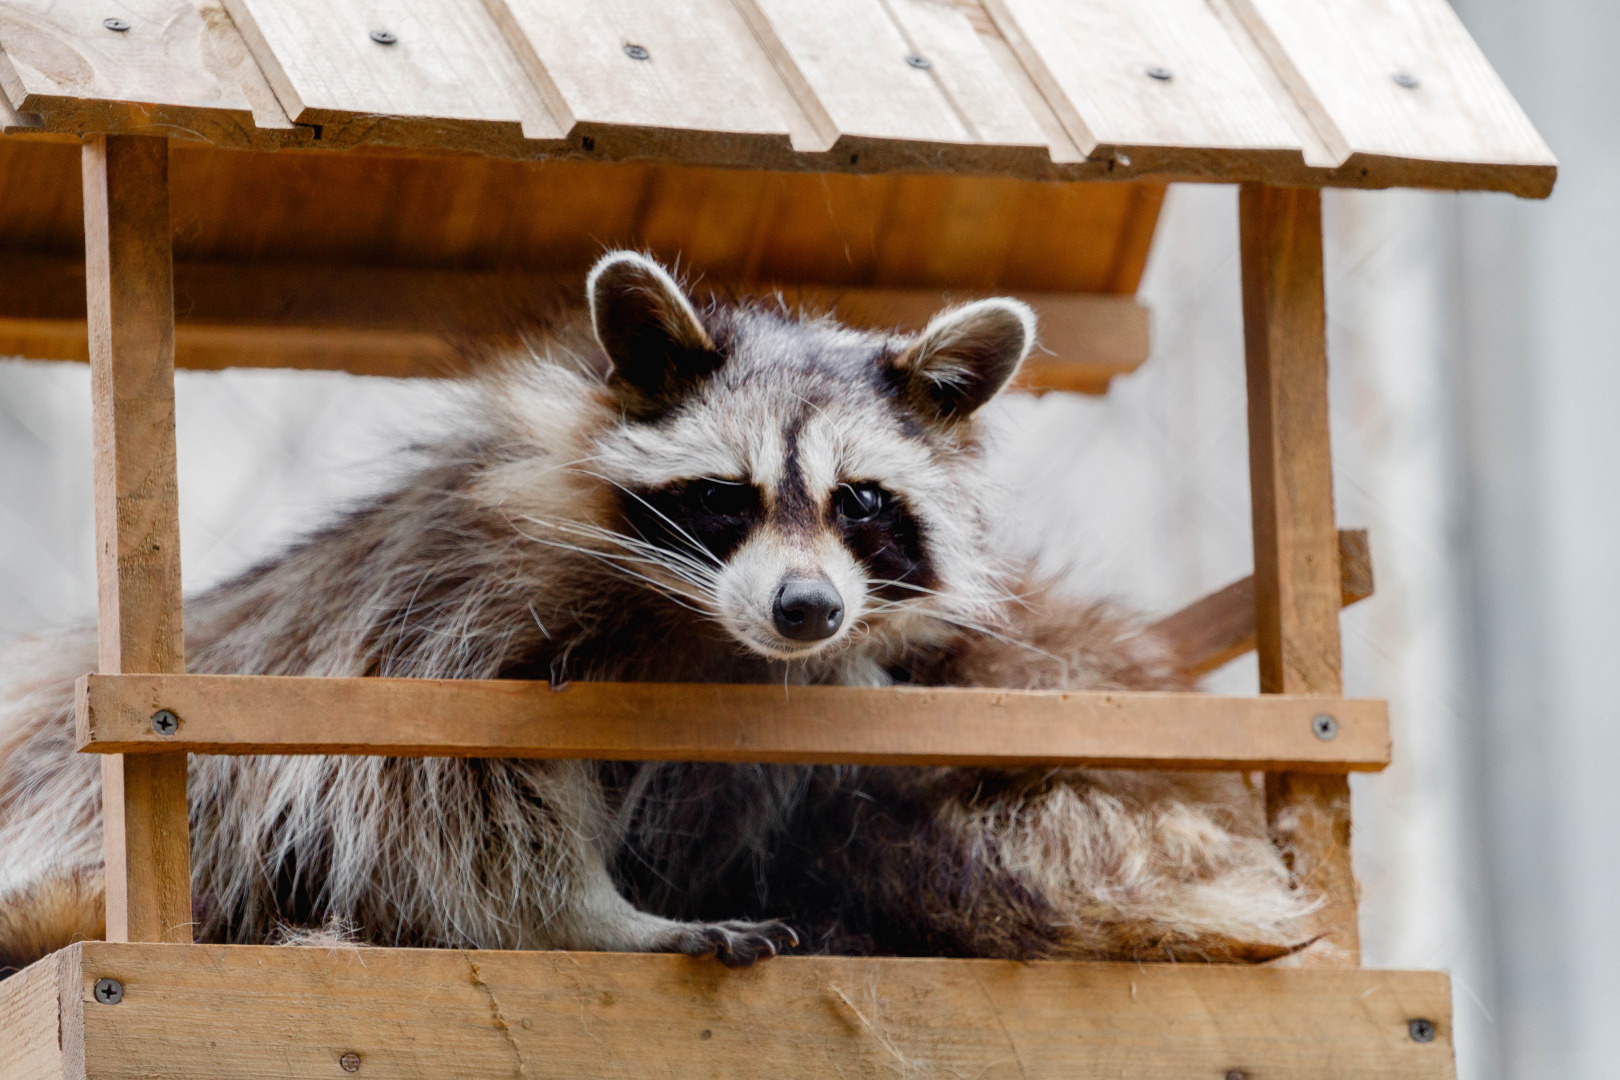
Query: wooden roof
point(1367, 93)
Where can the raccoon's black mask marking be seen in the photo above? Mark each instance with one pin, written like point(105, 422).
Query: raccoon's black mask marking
point(888, 541)
point(704, 518)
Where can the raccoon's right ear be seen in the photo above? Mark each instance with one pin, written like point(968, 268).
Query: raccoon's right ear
point(965, 356)
point(649, 330)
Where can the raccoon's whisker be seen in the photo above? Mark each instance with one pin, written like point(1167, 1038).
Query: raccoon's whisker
point(697, 544)
point(691, 601)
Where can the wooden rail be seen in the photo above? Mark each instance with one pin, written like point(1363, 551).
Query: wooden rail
point(227, 714)
point(222, 1012)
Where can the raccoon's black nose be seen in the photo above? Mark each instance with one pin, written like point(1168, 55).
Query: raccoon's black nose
point(807, 610)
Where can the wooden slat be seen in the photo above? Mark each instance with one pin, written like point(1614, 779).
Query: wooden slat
point(130, 301)
point(703, 74)
point(30, 1008)
point(1297, 578)
point(227, 714)
point(372, 321)
point(1091, 59)
point(447, 77)
point(221, 1012)
point(1221, 627)
point(846, 61)
point(1341, 60)
point(174, 70)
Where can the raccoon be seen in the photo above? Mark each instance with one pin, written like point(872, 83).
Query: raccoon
point(667, 491)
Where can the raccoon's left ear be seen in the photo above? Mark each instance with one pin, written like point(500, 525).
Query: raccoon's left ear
point(966, 355)
point(649, 330)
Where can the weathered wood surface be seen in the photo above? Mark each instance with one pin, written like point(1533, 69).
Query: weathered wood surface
point(483, 214)
point(130, 301)
point(403, 322)
point(177, 70)
point(1246, 89)
point(1221, 627)
point(30, 1009)
point(702, 722)
point(256, 1012)
point(1296, 549)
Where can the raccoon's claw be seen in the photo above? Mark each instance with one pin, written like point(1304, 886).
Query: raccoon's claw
point(740, 944)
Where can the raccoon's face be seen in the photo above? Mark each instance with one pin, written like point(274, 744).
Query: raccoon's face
point(799, 483)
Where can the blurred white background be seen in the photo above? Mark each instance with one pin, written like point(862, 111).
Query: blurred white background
point(1474, 376)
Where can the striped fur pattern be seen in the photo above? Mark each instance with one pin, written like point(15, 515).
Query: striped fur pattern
point(659, 492)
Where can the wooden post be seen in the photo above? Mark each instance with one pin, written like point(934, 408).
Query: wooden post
point(129, 275)
point(1296, 551)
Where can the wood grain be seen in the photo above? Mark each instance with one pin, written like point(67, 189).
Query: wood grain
point(1340, 61)
point(1091, 60)
point(220, 1012)
point(674, 722)
point(29, 1013)
point(448, 76)
point(166, 74)
point(403, 322)
point(702, 73)
point(1221, 627)
point(1296, 550)
point(130, 302)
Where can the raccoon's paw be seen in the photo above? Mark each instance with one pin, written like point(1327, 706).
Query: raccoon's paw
point(735, 943)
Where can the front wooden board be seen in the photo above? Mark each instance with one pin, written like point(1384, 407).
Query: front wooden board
point(248, 714)
point(239, 1012)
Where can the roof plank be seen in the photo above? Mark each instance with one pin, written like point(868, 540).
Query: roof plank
point(395, 72)
point(846, 61)
point(1393, 79)
point(164, 69)
point(688, 65)
point(1130, 76)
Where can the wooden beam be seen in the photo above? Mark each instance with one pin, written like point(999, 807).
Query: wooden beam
point(409, 322)
point(130, 303)
point(1220, 628)
point(240, 714)
point(1296, 549)
point(223, 1012)
point(30, 1011)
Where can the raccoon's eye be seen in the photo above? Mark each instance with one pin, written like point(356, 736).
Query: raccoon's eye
point(859, 502)
point(724, 498)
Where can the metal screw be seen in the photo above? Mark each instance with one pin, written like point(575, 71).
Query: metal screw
point(1160, 73)
point(1408, 81)
point(165, 722)
point(350, 1062)
point(1324, 727)
point(117, 26)
point(920, 62)
point(706, 1034)
point(1421, 1030)
point(111, 992)
point(383, 37)
point(637, 52)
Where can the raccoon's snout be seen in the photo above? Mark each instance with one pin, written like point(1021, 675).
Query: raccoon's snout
point(807, 609)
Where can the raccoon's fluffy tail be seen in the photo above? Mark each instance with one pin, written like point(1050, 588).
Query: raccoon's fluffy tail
point(1145, 866)
point(1140, 865)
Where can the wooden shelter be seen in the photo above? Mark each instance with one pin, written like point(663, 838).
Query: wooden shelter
point(364, 185)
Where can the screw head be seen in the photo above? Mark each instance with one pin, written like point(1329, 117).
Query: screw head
point(1421, 1030)
point(1324, 726)
point(165, 722)
point(637, 52)
point(383, 37)
point(117, 26)
point(109, 991)
point(1406, 80)
point(1160, 73)
point(350, 1062)
point(920, 62)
